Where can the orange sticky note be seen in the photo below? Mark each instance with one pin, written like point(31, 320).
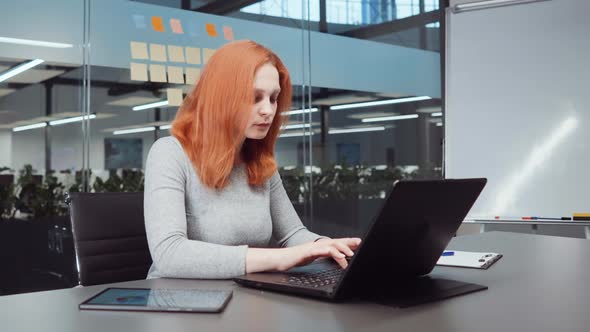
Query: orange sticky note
point(211, 31)
point(228, 33)
point(176, 25)
point(157, 23)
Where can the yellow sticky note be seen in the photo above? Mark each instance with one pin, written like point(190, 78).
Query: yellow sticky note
point(158, 73)
point(174, 97)
point(158, 53)
point(193, 55)
point(175, 75)
point(176, 53)
point(139, 50)
point(207, 53)
point(138, 71)
point(192, 75)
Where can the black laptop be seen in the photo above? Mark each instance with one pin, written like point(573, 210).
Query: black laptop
point(399, 250)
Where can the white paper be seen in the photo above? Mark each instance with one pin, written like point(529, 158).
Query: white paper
point(469, 259)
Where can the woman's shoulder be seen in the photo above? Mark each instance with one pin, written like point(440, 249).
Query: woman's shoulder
point(167, 147)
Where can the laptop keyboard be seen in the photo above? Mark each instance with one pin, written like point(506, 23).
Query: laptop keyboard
point(316, 279)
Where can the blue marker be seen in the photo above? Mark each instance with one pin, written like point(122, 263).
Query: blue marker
point(448, 253)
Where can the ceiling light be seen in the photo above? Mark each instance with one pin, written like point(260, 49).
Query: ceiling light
point(297, 134)
point(297, 126)
point(19, 69)
point(301, 111)
point(69, 120)
point(33, 42)
point(391, 118)
point(354, 130)
point(436, 114)
point(380, 102)
point(150, 105)
point(164, 127)
point(31, 126)
point(134, 130)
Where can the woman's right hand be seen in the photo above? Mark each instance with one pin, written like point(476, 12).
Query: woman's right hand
point(337, 249)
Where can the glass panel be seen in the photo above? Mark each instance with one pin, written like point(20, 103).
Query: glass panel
point(379, 113)
point(123, 80)
point(40, 142)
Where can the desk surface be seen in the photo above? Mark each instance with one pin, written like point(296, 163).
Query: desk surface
point(541, 284)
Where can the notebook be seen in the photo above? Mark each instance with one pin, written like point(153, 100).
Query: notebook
point(477, 260)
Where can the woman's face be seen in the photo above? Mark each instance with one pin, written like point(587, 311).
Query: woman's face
point(266, 92)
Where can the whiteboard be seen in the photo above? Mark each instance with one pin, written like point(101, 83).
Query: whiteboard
point(518, 107)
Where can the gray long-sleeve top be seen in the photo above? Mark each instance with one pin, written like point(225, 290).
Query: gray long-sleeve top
point(197, 232)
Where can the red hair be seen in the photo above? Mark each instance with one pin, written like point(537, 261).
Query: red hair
point(212, 120)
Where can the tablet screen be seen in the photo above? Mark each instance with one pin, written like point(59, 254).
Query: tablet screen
point(198, 300)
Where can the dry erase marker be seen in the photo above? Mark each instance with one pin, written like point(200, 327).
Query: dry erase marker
point(448, 253)
point(506, 218)
point(546, 218)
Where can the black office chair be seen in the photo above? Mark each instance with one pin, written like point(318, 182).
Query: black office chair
point(109, 237)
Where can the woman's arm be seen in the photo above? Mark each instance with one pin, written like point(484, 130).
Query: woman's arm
point(299, 245)
point(174, 255)
point(282, 259)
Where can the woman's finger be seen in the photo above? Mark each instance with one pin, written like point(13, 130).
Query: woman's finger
point(339, 257)
point(343, 248)
point(353, 242)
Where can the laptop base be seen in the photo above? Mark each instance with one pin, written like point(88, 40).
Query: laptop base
point(424, 290)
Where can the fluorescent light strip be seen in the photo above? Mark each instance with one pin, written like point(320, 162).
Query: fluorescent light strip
point(134, 130)
point(31, 126)
point(354, 130)
point(296, 126)
point(69, 120)
point(31, 42)
point(150, 105)
point(298, 134)
point(164, 127)
point(301, 111)
point(391, 118)
point(439, 124)
point(436, 114)
point(380, 102)
point(19, 69)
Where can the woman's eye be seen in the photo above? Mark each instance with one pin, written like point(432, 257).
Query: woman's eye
point(257, 99)
point(273, 100)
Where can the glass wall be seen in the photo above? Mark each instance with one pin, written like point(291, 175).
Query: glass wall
point(40, 141)
point(375, 98)
point(366, 107)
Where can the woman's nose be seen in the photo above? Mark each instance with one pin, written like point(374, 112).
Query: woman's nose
point(266, 108)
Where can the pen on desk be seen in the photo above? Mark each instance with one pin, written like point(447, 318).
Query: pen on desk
point(448, 253)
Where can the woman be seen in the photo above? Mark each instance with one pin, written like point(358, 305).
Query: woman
point(213, 196)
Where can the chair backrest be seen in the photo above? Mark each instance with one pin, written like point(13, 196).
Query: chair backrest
point(109, 237)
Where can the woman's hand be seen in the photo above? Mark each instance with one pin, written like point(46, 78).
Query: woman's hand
point(304, 254)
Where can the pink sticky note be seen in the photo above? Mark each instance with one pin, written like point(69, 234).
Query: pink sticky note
point(176, 25)
point(228, 33)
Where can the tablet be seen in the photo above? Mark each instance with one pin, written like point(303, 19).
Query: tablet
point(149, 299)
